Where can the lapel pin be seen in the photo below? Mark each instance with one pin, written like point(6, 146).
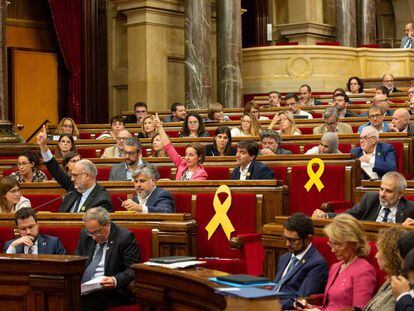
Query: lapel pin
point(83, 208)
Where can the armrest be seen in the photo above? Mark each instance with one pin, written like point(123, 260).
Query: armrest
point(336, 206)
point(251, 250)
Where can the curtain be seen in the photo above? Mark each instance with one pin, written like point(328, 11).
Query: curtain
point(67, 17)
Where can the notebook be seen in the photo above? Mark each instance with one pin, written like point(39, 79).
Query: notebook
point(243, 279)
point(172, 259)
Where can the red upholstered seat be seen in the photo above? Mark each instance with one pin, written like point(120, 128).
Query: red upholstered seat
point(43, 202)
point(300, 200)
point(280, 172)
point(165, 171)
point(144, 241)
point(116, 198)
point(316, 115)
point(6, 233)
point(88, 153)
point(182, 202)
point(291, 147)
point(217, 172)
point(85, 135)
point(172, 133)
point(358, 102)
point(287, 43)
point(103, 173)
point(69, 236)
point(242, 213)
point(399, 155)
point(344, 148)
point(181, 150)
point(306, 130)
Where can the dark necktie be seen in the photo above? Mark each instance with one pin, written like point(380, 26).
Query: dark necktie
point(30, 249)
point(387, 211)
point(75, 207)
point(91, 268)
point(293, 262)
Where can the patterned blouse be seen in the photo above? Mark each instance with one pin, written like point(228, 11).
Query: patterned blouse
point(38, 176)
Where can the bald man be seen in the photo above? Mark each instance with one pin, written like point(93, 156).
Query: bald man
point(407, 42)
point(400, 122)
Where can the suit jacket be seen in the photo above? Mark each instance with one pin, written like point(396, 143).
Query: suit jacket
point(46, 244)
point(280, 150)
point(342, 128)
point(385, 127)
point(131, 118)
point(181, 165)
point(98, 197)
point(384, 158)
point(404, 41)
point(257, 170)
point(121, 252)
point(119, 172)
point(211, 152)
point(111, 152)
point(308, 277)
point(369, 207)
point(410, 129)
point(350, 113)
point(354, 287)
point(405, 303)
point(160, 201)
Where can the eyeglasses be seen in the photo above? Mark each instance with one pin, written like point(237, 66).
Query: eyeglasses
point(140, 111)
point(95, 233)
point(365, 137)
point(129, 153)
point(335, 245)
point(331, 123)
point(69, 126)
point(388, 81)
point(22, 163)
point(292, 240)
point(77, 175)
point(376, 116)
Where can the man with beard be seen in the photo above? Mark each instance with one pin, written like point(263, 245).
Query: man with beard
point(132, 158)
point(386, 205)
point(83, 191)
point(149, 198)
point(302, 271)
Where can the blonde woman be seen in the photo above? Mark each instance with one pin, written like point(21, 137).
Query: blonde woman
point(67, 126)
point(286, 122)
point(148, 127)
point(352, 280)
point(249, 126)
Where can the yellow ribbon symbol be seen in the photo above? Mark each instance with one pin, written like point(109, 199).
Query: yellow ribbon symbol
point(314, 178)
point(221, 218)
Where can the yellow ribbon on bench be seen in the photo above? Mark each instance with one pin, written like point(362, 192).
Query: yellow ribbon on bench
point(221, 209)
point(314, 178)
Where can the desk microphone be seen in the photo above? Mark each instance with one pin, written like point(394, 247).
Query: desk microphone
point(53, 200)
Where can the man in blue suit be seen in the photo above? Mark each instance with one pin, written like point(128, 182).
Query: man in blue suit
point(376, 158)
point(302, 271)
point(149, 198)
point(247, 151)
point(30, 241)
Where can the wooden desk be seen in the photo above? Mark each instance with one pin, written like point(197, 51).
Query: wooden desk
point(40, 282)
point(164, 289)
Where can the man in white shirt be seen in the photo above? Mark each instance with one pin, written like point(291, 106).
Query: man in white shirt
point(292, 101)
point(149, 198)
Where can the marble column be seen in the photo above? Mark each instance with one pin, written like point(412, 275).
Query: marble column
point(366, 22)
point(229, 53)
point(7, 132)
point(346, 24)
point(197, 53)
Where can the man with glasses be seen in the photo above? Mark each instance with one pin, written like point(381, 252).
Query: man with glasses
point(140, 112)
point(332, 123)
point(376, 120)
point(292, 101)
point(302, 271)
point(112, 250)
point(30, 241)
point(83, 191)
point(132, 158)
point(148, 198)
point(386, 205)
point(116, 150)
point(388, 82)
point(376, 158)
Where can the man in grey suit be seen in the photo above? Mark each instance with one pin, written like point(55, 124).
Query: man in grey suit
point(386, 205)
point(132, 154)
point(149, 198)
point(332, 124)
point(271, 143)
point(30, 241)
point(407, 42)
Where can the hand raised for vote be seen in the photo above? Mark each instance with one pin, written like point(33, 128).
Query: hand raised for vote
point(24, 240)
point(132, 206)
point(42, 136)
point(108, 282)
point(157, 121)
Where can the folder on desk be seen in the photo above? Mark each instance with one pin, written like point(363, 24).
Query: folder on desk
point(243, 279)
point(251, 292)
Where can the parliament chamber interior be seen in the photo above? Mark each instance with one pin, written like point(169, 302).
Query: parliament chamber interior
point(266, 143)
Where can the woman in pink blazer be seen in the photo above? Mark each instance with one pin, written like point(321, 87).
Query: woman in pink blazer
point(190, 167)
point(352, 280)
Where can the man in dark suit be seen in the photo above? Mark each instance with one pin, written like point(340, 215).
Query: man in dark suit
point(400, 285)
point(140, 111)
point(388, 82)
point(400, 122)
point(302, 271)
point(271, 142)
point(341, 102)
point(376, 158)
point(30, 241)
point(83, 191)
point(149, 198)
point(111, 250)
point(387, 205)
point(249, 168)
point(132, 154)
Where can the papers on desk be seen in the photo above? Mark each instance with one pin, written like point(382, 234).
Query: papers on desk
point(250, 292)
point(91, 285)
point(176, 265)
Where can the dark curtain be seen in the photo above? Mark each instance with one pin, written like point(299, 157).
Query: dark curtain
point(66, 16)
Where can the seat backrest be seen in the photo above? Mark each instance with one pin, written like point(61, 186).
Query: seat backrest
point(280, 172)
point(144, 241)
point(103, 173)
point(292, 147)
point(321, 244)
point(83, 135)
point(37, 200)
point(300, 200)
point(381, 275)
point(164, 171)
point(399, 154)
point(6, 233)
point(242, 215)
point(182, 202)
point(68, 235)
point(217, 172)
point(117, 198)
point(87, 153)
